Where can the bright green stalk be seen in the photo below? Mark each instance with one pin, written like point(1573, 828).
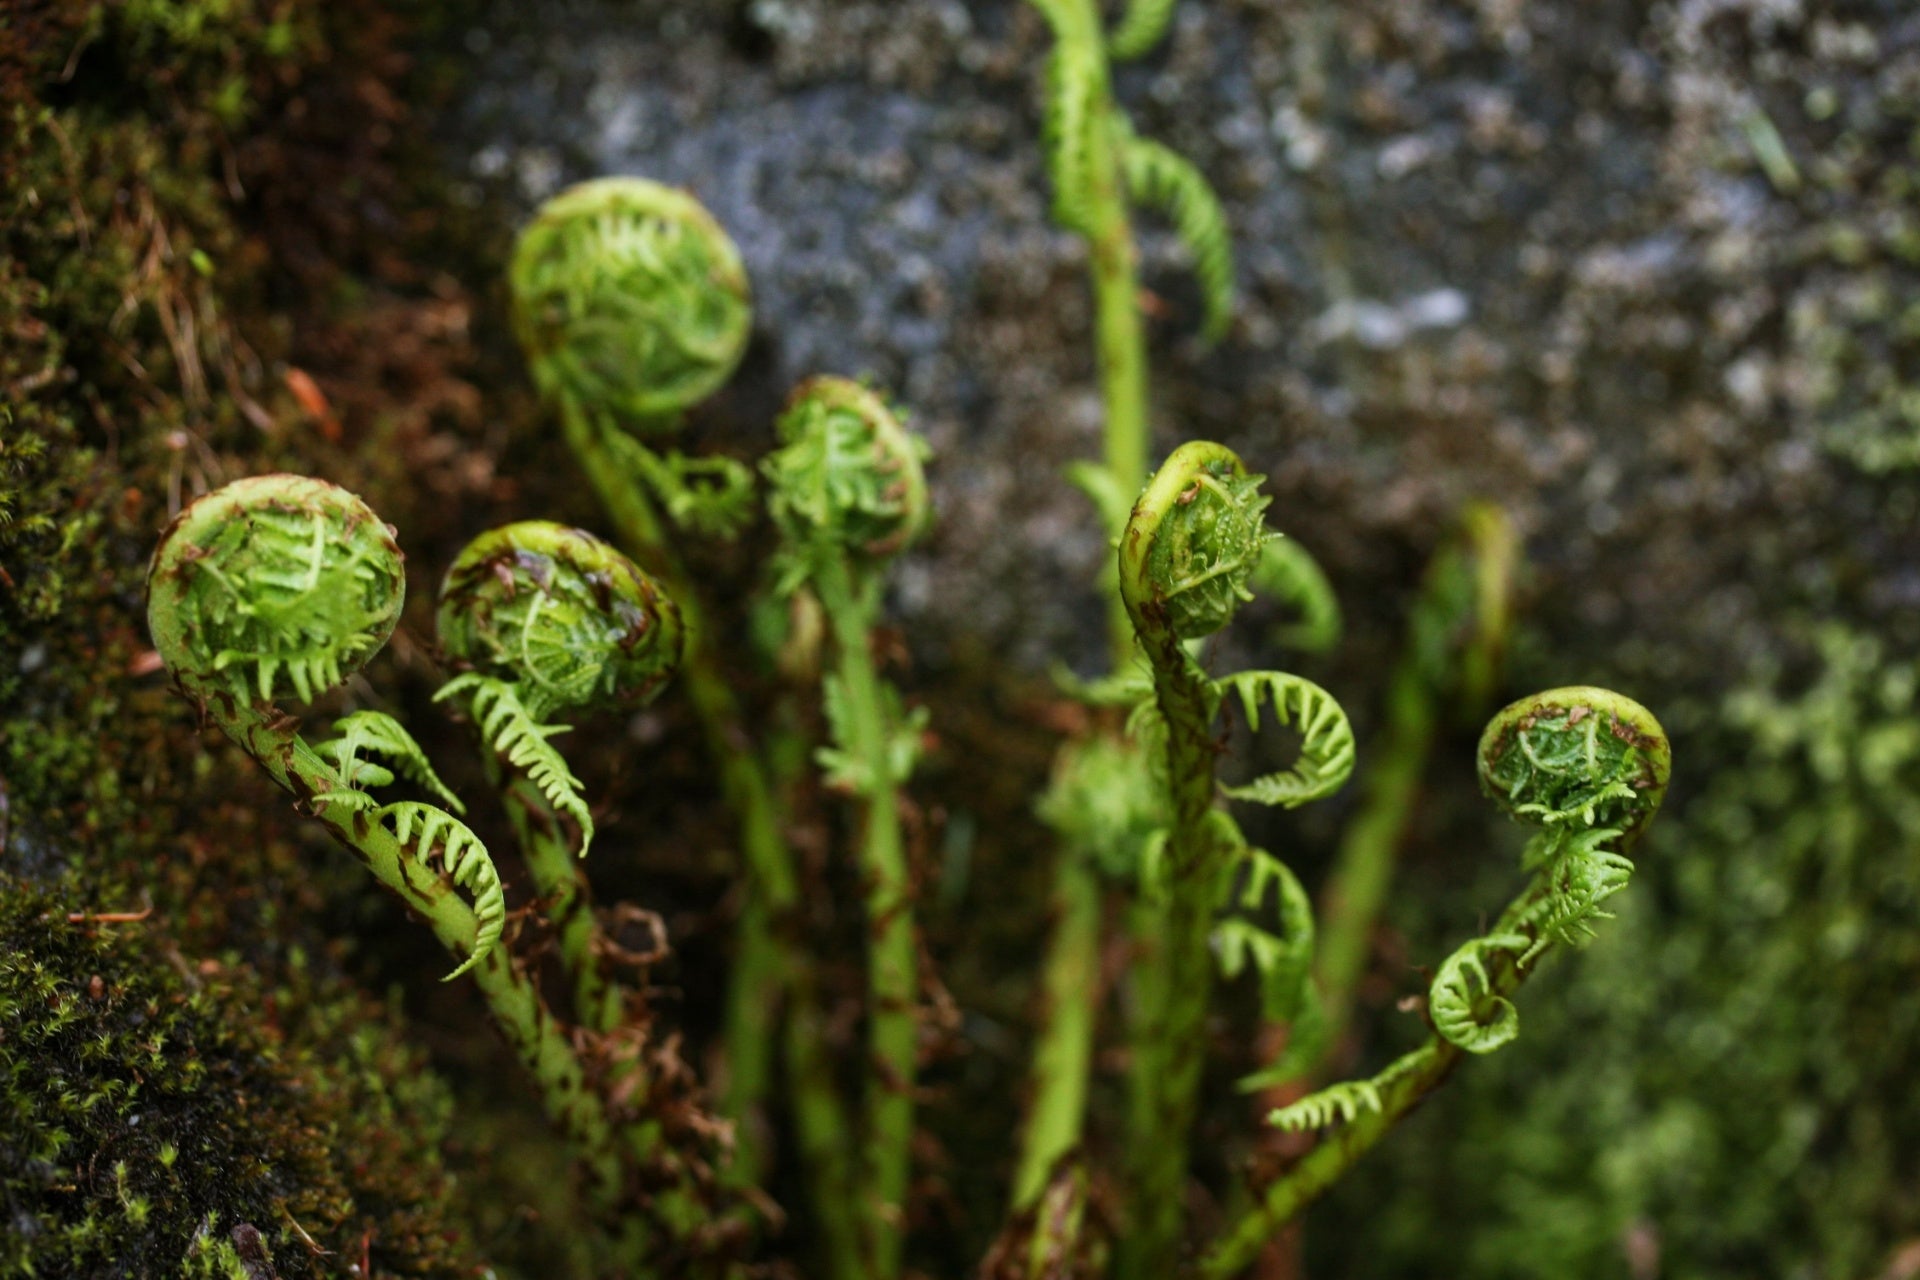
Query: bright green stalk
point(1356, 888)
point(892, 977)
point(847, 491)
point(1063, 1058)
point(553, 860)
point(1062, 1061)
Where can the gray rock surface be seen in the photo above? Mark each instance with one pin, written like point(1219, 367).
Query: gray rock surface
point(1645, 275)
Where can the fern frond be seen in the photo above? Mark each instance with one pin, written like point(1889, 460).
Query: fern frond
point(1342, 1102)
point(1288, 572)
point(1161, 179)
point(436, 836)
point(1348, 1100)
point(712, 496)
point(1071, 130)
point(1462, 1002)
point(844, 767)
point(1326, 747)
point(510, 729)
point(380, 734)
point(1141, 27)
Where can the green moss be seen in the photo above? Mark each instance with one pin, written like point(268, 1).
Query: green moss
point(145, 1110)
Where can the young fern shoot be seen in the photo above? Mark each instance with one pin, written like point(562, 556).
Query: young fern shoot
point(284, 584)
point(1192, 544)
point(541, 619)
point(632, 306)
point(1588, 767)
point(848, 495)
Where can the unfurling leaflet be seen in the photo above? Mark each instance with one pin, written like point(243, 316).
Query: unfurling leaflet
point(441, 837)
point(1161, 179)
point(510, 729)
point(375, 733)
point(1141, 27)
point(1289, 573)
point(1463, 1003)
point(629, 299)
point(1326, 747)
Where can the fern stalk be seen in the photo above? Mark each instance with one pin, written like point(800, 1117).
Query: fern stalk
point(760, 982)
point(892, 965)
point(1061, 1071)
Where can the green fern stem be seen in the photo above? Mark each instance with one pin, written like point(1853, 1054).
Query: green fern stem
point(1363, 868)
point(1401, 1088)
point(892, 964)
point(759, 983)
point(1192, 541)
point(1063, 1057)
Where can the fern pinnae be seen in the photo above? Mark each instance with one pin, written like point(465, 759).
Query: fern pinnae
point(1140, 28)
point(510, 729)
point(380, 734)
point(1326, 747)
point(1161, 179)
point(426, 828)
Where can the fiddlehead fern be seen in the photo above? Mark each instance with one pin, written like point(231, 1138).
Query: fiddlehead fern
point(284, 578)
point(565, 617)
point(549, 619)
point(1192, 542)
point(629, 299)
point(273, 578)
point(1589, 767)
point(847, 481)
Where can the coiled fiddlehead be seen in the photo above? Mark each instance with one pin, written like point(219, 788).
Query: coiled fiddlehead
point(273, 578)
point(565, 617)
point(1589, 767)
point(630, 299)
point(846, 482)
point(1193, 541)
point(285, 578)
